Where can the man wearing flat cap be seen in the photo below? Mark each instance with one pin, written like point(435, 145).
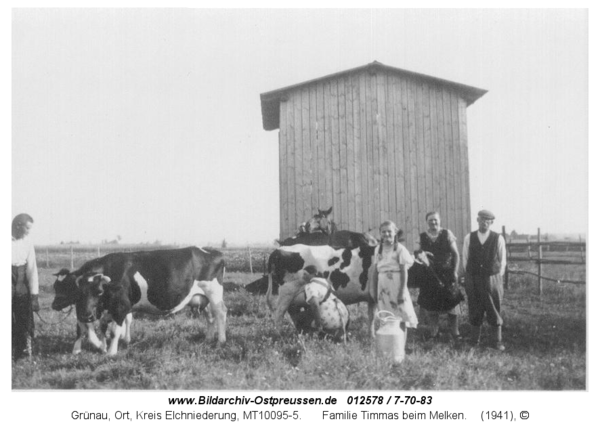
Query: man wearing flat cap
point(484, 262)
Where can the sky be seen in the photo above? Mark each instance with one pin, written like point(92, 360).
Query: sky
point(146, 123)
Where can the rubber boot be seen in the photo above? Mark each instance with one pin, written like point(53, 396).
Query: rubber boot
point(453, 323)
point(434, 324)
point(475, 335)
point(498, 338)
point(28, 351)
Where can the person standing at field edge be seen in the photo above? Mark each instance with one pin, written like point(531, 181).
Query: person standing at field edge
point(25, 287)
point(484, 262)
point(441, 244)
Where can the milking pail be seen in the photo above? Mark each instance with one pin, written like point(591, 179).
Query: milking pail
point(390, 338)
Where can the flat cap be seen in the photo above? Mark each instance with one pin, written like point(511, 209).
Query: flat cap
point(485, 214)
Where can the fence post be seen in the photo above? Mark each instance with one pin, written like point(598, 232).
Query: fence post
point(72, 265)
point(250, 258)
point(507, 248)
point(540, 280)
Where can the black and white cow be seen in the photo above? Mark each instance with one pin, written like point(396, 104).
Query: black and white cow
point(347, 270)
point(337, 239)
point(161, 282)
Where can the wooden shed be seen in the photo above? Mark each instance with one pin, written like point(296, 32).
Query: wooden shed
point(376, 143)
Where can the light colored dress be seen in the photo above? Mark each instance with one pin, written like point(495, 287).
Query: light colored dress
point(388, 284)
point(334, 314)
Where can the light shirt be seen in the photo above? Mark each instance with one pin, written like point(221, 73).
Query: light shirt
point(391, 261)
point(316, 288)
point(23, 253)
point(500, 250)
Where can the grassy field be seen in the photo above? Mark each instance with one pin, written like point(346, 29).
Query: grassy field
point(545, 338)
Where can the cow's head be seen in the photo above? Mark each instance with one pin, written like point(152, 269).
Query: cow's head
point(66, 291)
point(92, 287)
point(422, 257)
point(321, 221)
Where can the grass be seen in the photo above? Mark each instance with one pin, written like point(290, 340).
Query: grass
point(545, 338)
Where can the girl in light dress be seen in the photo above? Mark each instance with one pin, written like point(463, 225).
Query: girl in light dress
point(392, 262)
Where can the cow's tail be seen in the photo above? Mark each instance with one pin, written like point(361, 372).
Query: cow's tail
point(270, 297)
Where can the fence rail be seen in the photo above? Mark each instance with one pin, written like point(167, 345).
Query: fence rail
point(246, 259)
point(540, 261)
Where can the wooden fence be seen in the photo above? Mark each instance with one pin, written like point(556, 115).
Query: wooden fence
point(239, 259)
point(535, 256)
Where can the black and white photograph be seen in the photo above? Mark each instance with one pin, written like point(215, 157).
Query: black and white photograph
point(383, 204)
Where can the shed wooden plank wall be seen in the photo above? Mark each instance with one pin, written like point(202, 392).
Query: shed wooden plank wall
point(375, 146)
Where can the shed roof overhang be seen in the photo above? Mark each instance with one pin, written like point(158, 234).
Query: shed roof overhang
point(270, 100)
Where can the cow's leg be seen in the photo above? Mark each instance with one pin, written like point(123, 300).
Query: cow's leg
point(371, 314)
point(214, 291)
point(104, 323)
point(117, 332)
point(210, 322)
point(93, 337)
point(286, 296)
point(81, 330)
point(126, 336)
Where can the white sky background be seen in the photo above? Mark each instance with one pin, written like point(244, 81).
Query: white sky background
point(146, 123)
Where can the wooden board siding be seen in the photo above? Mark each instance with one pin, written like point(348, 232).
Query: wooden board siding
point(323, 199)
point(382, 145)
point(437, 178)
point(356, 138)
point(421, 201)
point(447, 160)
point(306, 171)
point(283, 169)
point(366, 178)
point(298, 161)
point(372, 209)
point(399, 144)
point(314, 177)
point(350, 190)
point(466, 198)
point(429, 185)
point(291, 163)
point(328, 147)
point(342, 209)
point(391, 146)
point(412, 223)
point(374, 146)
point(456, 164)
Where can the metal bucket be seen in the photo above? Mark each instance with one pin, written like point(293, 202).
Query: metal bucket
point(390, 338)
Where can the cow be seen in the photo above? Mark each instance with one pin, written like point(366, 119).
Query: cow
point(337, 239)
point(346, 269)
point(350, 272)
point(98, 298)
point(160, 282)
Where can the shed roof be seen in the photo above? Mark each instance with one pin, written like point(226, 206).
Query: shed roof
point(270, 100)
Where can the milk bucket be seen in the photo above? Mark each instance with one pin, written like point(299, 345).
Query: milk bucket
point(390, 338)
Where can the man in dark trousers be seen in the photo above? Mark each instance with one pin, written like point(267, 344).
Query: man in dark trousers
point(25, 287)
point(484, 262)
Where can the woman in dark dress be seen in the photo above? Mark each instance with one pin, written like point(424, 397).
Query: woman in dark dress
point(440, 244)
